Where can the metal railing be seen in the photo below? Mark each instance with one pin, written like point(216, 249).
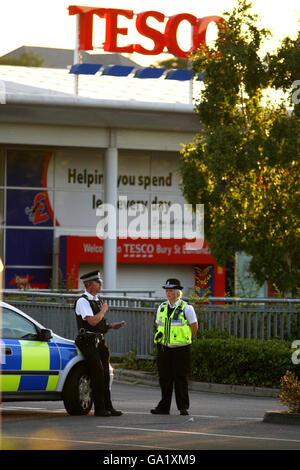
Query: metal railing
point(63, 298)
point(244, 318)
point(56, 311)
point(256, 318)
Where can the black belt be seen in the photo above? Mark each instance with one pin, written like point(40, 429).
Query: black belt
point(97, 337)
point(168, 348)
point(87, 332)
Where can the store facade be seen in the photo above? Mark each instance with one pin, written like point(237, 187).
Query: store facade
point(62, 159)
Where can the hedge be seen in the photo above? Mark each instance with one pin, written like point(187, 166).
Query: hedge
point(236, 361)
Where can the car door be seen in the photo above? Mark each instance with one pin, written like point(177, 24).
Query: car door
point(28, 364)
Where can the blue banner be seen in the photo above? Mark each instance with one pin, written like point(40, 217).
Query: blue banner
point(27, 207)
point(28, 247)
point(27, 278)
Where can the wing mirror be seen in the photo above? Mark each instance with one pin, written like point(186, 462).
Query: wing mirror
point(45, 335)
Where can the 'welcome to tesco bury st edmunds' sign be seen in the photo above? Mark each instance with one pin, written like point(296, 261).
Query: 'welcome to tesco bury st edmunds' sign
point(161, 40)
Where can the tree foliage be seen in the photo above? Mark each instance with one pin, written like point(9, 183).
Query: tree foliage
point(243, 165)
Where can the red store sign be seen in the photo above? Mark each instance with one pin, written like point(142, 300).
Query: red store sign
point(161, 40)
point(75, 250)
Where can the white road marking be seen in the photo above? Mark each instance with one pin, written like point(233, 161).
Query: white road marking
point(72, 441)
point(196, 433)
point(198, 416)
point(62, 410)
point(22, 408)
point(30, 408)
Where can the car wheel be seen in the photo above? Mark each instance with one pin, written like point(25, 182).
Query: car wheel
point(77, 392)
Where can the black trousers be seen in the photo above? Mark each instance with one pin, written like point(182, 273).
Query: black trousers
point(173, 367)
point(97, 361)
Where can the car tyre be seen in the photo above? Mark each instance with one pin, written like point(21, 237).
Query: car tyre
point(77, 392)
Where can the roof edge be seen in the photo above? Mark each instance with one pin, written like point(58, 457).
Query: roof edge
point(76, 101)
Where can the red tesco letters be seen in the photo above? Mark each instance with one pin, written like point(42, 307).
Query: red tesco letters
point(160, 40)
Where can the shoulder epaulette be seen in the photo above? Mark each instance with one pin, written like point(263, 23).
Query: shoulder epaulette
point(162, 306)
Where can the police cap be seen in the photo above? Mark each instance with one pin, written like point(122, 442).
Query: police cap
point(173, 284)
point(92, 276)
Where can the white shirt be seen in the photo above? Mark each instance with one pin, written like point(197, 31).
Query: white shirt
point(83, 307)
point(188, 311)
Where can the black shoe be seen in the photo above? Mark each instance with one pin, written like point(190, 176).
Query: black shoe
point(102, 413)
point(184, 412)
point(157, 411)
point(114, 412)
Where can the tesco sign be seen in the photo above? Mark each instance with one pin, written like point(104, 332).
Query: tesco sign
point(167, 39)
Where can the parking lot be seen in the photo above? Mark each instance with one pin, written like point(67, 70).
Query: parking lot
point(216, 422)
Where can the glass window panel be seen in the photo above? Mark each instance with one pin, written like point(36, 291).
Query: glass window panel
point(16, 327)
point(25, 207)
point(28, 278)
point(78, 170)
point(29, 247)
point(27, 168)
point(2, 167)
point(134, 173)
point(164, 173)
point(77, 209)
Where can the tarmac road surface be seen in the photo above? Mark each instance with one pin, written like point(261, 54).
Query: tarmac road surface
point(216, 422)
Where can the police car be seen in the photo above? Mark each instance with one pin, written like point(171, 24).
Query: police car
point(37, 364)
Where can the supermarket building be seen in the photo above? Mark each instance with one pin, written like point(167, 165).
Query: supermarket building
point(63, 156)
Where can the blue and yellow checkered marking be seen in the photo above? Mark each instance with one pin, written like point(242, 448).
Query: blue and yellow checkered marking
point(33, 365)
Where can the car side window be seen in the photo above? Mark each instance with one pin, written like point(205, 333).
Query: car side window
point(14, 326)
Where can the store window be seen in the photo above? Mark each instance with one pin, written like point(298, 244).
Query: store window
point(2, 180)
point(28, 230)
point(27, 168)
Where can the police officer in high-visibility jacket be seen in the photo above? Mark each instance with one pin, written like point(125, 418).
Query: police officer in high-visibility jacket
point(177, 325)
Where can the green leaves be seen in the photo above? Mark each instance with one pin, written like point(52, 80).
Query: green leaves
point(244, 163)
point(259, 363)
point(290, 392)
point(284, 67)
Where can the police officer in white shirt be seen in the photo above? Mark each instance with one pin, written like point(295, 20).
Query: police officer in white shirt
point(92, 325)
